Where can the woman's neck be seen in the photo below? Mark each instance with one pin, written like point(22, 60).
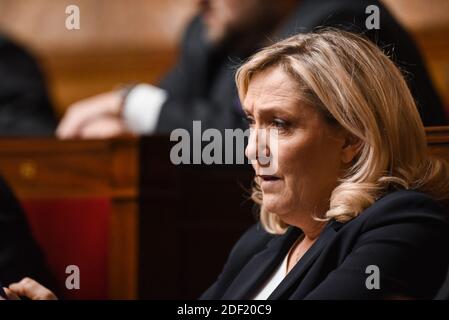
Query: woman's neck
point(310, 234)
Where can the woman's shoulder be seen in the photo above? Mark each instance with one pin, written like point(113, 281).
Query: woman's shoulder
point(407, 210)
point(411, 195)
point(252, 241)
point(405, 204)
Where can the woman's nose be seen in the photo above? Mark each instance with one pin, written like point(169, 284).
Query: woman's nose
point(251, 148)
point(257, 148)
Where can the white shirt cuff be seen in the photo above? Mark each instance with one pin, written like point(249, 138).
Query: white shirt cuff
point(142, 108)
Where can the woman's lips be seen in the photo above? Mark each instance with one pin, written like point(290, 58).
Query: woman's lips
point(268, 177)
point(269, 182)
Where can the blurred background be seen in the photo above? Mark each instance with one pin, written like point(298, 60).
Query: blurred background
point(119, 43)
point(116, 44)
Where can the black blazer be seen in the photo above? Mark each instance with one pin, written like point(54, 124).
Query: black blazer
point(25, 108)
point(405, 234)
point(20, 256)
point(201, 85)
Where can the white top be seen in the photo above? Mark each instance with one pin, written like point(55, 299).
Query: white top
point(277, 277)
point(272, 283)
point(142, 108)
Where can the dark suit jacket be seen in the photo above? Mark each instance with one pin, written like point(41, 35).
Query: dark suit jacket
point(20, 255)
point(405, 234)
point(201, 85)
point(25, 108)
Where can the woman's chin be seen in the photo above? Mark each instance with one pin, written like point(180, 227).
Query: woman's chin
point(273, 205)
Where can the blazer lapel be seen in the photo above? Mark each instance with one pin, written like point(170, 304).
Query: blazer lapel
point(261, 266)
point(300, 269)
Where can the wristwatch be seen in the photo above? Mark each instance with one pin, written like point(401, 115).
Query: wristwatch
point(124, 91)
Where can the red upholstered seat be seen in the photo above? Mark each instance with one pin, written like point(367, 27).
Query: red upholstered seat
point(73, 232)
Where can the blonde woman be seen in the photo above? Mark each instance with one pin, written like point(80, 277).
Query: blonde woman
point(352, 211)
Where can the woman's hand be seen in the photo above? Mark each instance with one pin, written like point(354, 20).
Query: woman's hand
point(30, 289)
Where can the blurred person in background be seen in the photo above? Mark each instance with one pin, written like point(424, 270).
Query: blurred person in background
point(25, 108)
point(20, 256)
point(201, 86)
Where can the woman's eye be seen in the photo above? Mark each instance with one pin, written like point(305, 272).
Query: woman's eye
point(280, 124)
point(249, 120)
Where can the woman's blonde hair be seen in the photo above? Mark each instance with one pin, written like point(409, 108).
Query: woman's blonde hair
point(356, 87)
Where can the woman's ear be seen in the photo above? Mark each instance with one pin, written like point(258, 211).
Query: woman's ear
point(350, 148)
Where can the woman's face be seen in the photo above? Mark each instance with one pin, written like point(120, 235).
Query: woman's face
point(310, 152)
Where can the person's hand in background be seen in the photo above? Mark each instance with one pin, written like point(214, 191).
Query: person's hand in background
point(98, 117)
point(30, 289)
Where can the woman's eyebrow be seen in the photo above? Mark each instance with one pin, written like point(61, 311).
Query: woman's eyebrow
point(273, 108)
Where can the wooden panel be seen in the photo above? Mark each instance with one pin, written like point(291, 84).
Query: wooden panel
point(48, 167)
point(123, 250)
point(428, 22)
point(438, 141)
point(190, 217)
point(45, 169)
